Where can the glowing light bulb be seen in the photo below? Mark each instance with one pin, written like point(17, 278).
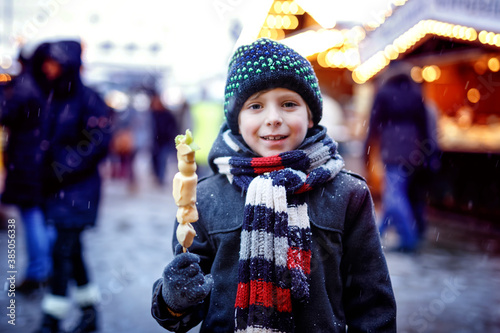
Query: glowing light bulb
point(277, 7)
point(416, 74)
point(482, 36)
point(431, 73)
point(494, 64)
point(278, 23)
point(285, 7)
point(271, 21)
point(473, 95)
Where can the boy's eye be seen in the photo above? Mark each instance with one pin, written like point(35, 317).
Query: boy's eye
point(289, 104)
point(254, 106)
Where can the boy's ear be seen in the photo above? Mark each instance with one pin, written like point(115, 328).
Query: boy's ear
point(309, 118)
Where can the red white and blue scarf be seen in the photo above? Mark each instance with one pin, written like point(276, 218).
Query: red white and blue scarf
point(275, 247)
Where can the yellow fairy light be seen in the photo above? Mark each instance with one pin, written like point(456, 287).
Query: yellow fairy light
point(271, 21)
point(449, 30)
point(482, 36)
point(416, 74)
point(494, 64)
point(286, 22)
point(265, 32)
point(294, 21)
point(358, 77)
point(473, 95)
point(399, 2)
point(328, 58)
point(339, 59)
point(294, 9)
point(277, 34)
point(461, 32)
point(4, 77)
point(412, 36)
point(351, 58)
point(278, 22)
point(391, 52)
point(285, 7)
point(429, 25)
point(470, 34)
point(277, 7)
point(358, 32)
point(431, 73)
point(321, 59)
point(489, 38)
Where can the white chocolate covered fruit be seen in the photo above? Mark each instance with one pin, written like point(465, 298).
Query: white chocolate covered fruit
point(184, 188)
point(185, 234)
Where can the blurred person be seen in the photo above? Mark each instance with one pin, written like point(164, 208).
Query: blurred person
point(132, 135)
point(23, 115)
point(419, 187)
point(123, 147)
point(164, 131)
point(399, 127)
point(183, 115)
point(76, 139)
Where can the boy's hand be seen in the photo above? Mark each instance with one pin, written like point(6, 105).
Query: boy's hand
point(184, 284)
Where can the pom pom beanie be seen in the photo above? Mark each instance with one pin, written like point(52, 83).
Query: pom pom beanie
point(266, 64)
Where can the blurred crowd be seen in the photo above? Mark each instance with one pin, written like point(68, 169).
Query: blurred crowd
point(57, 133)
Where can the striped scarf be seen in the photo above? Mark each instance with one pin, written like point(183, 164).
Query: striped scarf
point(275, 248)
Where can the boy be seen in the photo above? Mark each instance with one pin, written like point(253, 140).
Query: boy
point(286, 240)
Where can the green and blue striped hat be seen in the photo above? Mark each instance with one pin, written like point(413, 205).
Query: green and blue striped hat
point(266, 64)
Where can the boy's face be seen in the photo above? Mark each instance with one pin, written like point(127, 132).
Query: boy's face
point(274, 121)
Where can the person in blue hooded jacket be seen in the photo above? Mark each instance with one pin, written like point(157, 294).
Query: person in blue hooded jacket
point(77, 132)
point(22, 114)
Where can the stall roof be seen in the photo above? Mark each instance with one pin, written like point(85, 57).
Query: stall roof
point(472, 21)
point(366, 49)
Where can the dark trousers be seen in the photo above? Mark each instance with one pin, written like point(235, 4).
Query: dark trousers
point(68, 261)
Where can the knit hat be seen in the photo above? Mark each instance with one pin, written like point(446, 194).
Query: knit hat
point(266, 64)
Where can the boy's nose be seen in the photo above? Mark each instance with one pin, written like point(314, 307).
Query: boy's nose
point(273, 117)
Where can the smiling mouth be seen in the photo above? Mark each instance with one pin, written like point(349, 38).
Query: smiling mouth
point(273, 137)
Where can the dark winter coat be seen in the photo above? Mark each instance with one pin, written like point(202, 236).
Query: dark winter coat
point(22, 114)
point(350, 283)
point(77, 134)
point(398, 122)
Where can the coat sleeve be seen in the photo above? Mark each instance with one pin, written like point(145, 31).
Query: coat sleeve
point(368, 298)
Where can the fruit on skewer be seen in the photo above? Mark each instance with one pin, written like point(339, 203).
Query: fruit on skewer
point(184, 189)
